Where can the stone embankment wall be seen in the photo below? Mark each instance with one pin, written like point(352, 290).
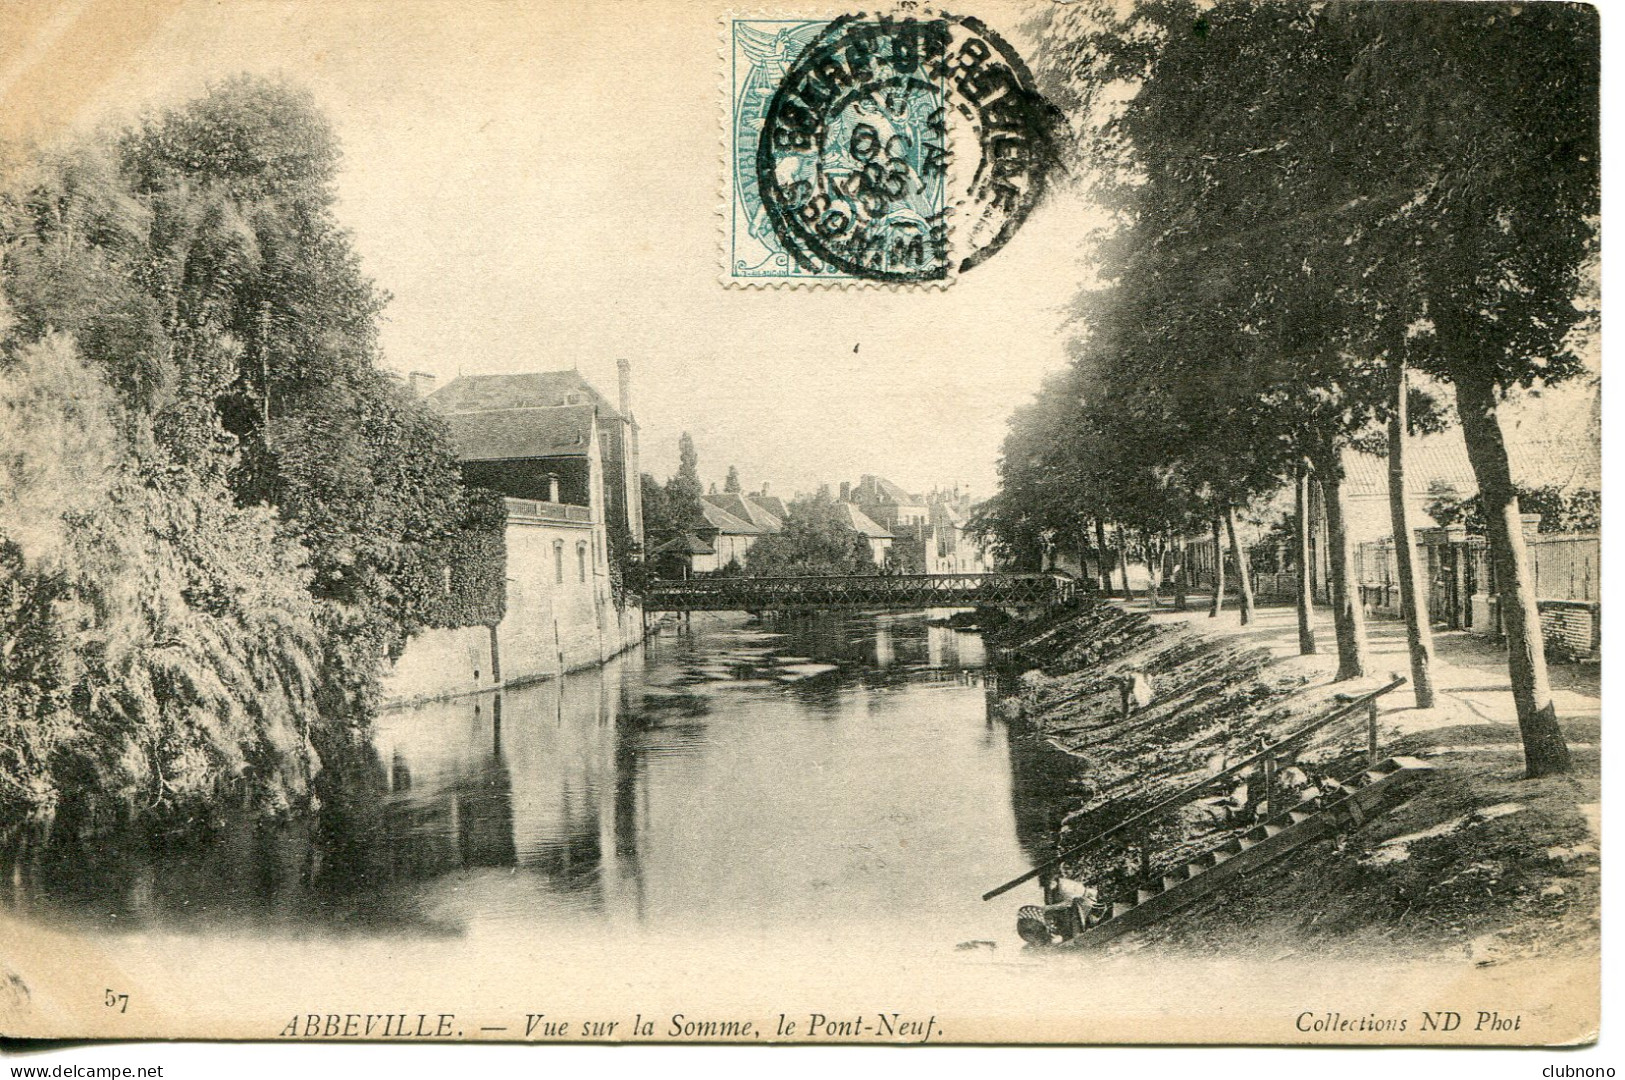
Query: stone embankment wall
point(561, 616)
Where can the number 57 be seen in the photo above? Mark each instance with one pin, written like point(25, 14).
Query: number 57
point(119, 1001)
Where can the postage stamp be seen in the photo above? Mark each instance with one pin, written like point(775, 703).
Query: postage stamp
point(841, 148)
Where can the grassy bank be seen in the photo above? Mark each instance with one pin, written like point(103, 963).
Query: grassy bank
point(1470, 861)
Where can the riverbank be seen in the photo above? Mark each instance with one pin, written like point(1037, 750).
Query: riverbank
point(1472, 861)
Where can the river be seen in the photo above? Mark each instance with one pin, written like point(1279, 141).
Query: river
point(805, 776)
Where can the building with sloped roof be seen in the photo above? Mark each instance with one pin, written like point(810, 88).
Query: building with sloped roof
point(536, 422)
point(924, 534)
point(949, 548)
point(546, 453)
point(1553, 439)
point(886, 503)
point(879, 537)
point(748, 509)
point(771, 503)
point(730, 537)
point(565, 460)
point(683, 556)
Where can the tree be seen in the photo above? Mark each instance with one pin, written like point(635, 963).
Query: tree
point(1044, 494)
point(159, 645)
point(1305, 576)
point(1412, 589)
point(269, 333)
point(1579, 510)
point(1491, 238)
point(1003, 525)
point(657, 520)
point(1299, 154)
point(258, 514)
point(1485, 238)
point(731, 484)
point(817, 538)
point(683, 490)
point(1237, 315)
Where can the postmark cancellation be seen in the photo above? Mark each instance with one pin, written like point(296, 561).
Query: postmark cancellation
point(895, 149)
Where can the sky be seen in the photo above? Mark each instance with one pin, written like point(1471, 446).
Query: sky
point(539, 187)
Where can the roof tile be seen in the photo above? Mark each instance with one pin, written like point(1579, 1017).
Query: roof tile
point(537, 389)
point(506, 434)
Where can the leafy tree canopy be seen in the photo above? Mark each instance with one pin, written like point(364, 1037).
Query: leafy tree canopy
point(816, 539)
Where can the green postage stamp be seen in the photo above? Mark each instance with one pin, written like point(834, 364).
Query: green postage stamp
point(842, 137)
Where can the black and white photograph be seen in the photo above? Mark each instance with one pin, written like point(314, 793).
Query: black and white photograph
point(1019, 523)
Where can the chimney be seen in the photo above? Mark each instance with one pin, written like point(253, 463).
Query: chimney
point(764, 489)
point(846, 491)
point(421, 384)
point(623, 369)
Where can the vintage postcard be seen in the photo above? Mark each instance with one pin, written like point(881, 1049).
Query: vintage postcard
point(663, 522)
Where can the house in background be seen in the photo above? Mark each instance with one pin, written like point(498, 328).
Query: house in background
point(771, 503)
point(728, 525)
point(748, 509)
point(729, 537)
point(1554, 441)
point(878, 537)
point(949, 548)
point(887, 504)
point(683, 556)
point(927, 535)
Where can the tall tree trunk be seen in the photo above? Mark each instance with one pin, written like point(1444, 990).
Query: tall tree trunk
point(1182, 576)
point(1306, 581)
point(1153, 570)
point(1347, 615)
point(265, 373)
point(1412, 590)
point(1318, 585)
point(1218, 572)
point(1122, 563)
point(1244, 577)
point(1544, 751)
point(1103, 567)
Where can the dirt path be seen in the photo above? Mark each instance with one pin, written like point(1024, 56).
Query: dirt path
point(1470, 672)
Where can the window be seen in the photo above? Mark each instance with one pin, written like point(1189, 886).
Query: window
point(581, 559)
point(558, 560)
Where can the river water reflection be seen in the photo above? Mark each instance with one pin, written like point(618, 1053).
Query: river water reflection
point(839, 774)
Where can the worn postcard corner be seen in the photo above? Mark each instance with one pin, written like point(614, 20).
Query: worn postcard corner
point(1115, 557)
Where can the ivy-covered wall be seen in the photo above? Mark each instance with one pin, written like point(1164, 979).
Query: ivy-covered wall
point(473, 562)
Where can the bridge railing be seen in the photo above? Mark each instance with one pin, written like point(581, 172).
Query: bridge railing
point(857, 591)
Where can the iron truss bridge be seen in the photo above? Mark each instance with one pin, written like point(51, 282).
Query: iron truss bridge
point(861, 592)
